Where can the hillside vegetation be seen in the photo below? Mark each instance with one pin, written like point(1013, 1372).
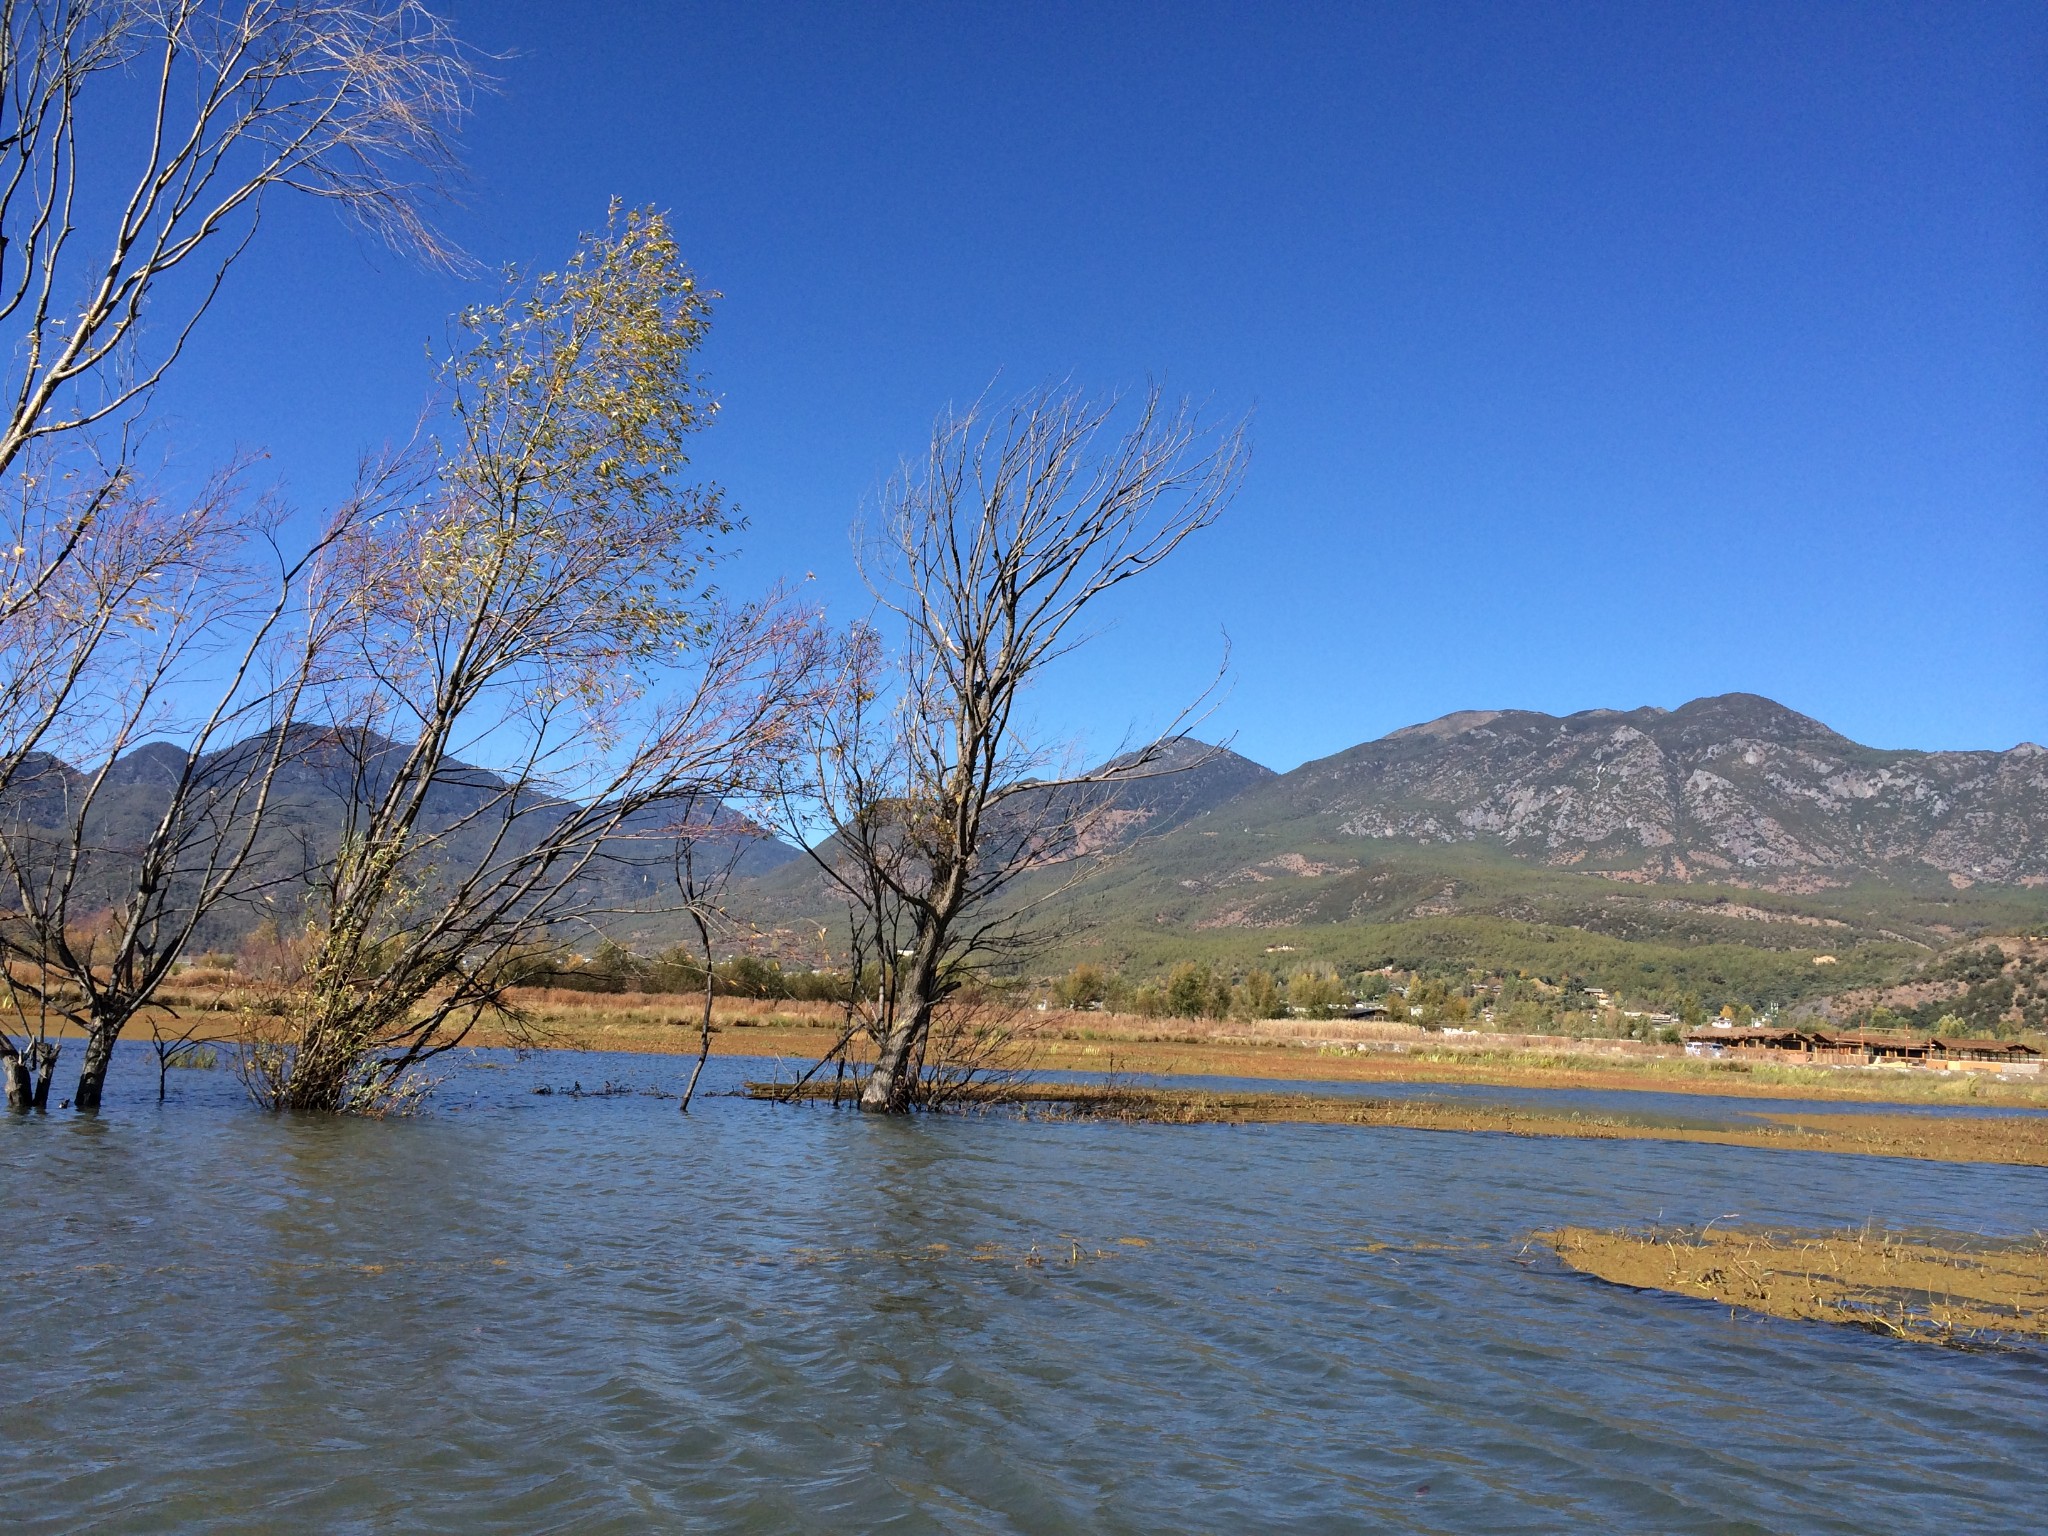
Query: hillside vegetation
point(1731, 851)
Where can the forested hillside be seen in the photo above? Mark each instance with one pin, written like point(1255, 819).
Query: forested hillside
point(1731, 847)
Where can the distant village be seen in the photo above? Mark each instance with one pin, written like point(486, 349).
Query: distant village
point(1861, 1048)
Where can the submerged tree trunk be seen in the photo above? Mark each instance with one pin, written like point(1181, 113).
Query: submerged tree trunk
point(35, 1072)
point(704, 1036)
point(321, 1072)
point(42, 1060)
point(92, 1072)
point(887, 1091)
point(892, 1087)
point(14, 1073)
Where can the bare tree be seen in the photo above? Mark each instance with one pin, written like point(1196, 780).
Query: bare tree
point(139, 140)
point(545, 608)
point(347, 100)
point(28, 1054)
point(703, 870)
point(108, 872)
point(985, 557)
point(174, 1038)
point(114, 243)
point(112, 248)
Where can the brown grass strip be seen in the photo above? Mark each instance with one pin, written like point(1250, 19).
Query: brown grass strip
point(1937, 1287)
point(2019, 1140)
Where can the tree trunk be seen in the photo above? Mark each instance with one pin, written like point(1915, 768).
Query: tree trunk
point(14, 1072)
point(43, 1057)
point(704, 1038)
point(92, 1074)
point(889, 1086)
point(894, 1080)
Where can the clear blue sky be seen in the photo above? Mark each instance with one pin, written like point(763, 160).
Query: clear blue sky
point(1599, 355)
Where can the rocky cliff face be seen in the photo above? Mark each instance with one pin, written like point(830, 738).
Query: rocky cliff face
point(1734, 787)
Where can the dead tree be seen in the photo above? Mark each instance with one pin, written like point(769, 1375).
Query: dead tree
point(706, 852)
point(105, 273)
point(348, 100)
point(983, 561)
point(111, 870)
point(174, 1039)
point(104, 276)
point(28, 1054)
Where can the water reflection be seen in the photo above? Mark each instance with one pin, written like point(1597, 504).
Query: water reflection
point(520, 1313)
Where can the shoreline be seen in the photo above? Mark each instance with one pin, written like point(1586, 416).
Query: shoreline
point(2018, 1141)
point(1559, 1068)
point(797, 1034)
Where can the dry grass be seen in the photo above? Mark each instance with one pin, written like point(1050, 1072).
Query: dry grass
point(1303, 1050)
point(2021, 1140)
point(1945, 1288)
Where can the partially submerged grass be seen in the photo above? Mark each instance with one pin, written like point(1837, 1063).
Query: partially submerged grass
point(1945, 1288)
point(2016, 1139)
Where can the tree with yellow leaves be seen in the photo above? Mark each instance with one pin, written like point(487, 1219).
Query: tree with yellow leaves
point(536, 685)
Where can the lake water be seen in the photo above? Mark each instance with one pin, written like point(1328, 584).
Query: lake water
point(529, 1313)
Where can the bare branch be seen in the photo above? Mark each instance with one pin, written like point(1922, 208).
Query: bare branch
point(986, 557)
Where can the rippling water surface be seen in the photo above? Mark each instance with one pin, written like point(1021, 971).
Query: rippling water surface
point(541, 1313)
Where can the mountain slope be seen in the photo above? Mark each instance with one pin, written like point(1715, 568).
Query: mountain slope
point(1666, 841)
point(1731, 845)
point(1729, 789)
point(1189, 779)
point(468, 809)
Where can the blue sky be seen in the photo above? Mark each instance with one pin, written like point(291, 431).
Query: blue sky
point(1597, 355)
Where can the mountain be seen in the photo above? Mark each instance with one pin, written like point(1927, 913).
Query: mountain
point(1731, 846)
point(1729, 840)
point(468, 807)
point(1734, 789)
point(1187, 779)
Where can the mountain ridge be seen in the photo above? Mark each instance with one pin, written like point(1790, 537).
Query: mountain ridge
point(1731, 787)
point(1641, 826)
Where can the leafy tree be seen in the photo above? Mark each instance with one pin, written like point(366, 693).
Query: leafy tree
point(1188, 990)
point(1258, 997)
point(544, 603)
point(613, 967)
point(751, 976)
point(1085, 986)
point(1315, 990)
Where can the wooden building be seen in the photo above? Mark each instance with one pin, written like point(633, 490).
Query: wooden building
point(1862, 1047)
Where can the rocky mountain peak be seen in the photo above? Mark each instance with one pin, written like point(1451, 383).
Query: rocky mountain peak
point(1733, 787)
point(1731, 717)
